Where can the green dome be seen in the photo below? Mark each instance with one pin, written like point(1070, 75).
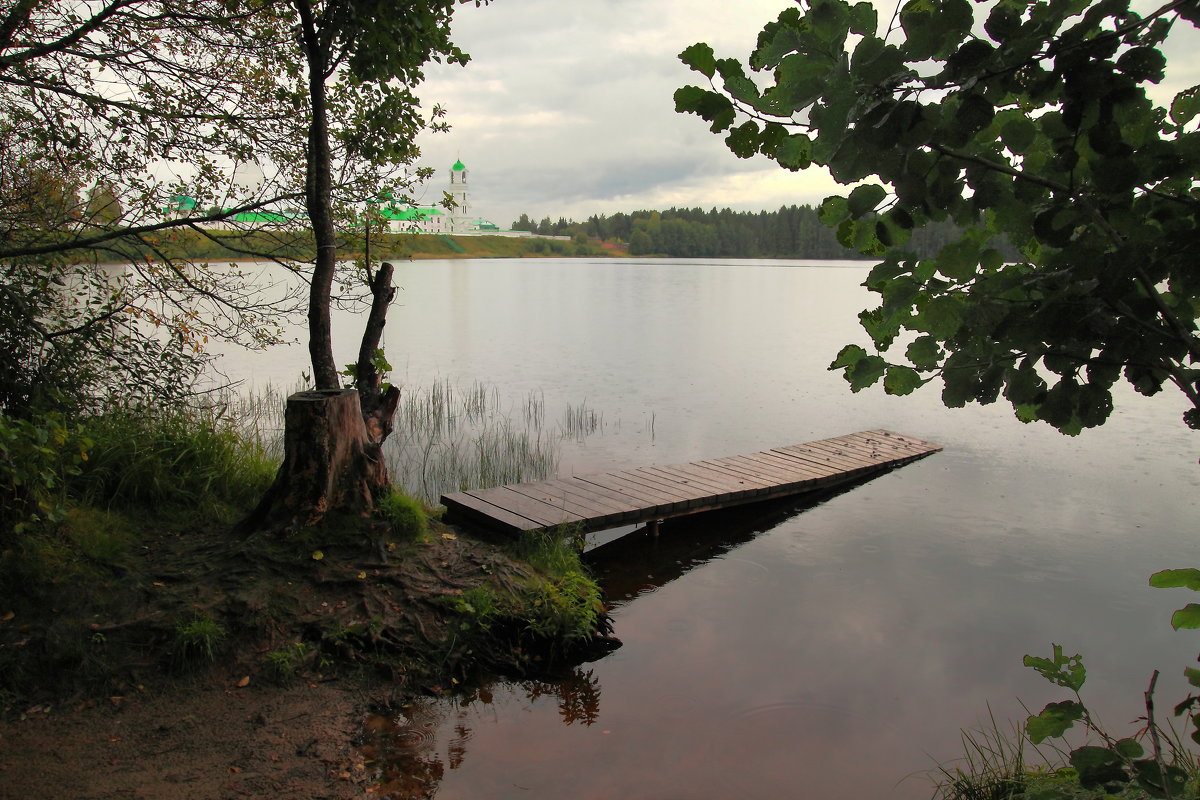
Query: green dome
point(458, 166)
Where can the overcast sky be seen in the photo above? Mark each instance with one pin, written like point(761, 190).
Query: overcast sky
point(566, 109)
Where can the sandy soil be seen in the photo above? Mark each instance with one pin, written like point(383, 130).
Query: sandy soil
point(194, 742)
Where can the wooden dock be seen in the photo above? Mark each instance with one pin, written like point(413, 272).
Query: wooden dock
point(647, 494)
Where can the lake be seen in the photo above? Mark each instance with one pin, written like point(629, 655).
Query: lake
point(827, 652)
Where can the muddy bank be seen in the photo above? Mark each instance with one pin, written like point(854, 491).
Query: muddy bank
point(201, 740)
point(215, 668)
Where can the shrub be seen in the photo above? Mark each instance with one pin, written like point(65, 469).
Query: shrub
point(37, 456)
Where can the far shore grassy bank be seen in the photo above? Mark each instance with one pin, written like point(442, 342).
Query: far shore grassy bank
point(261, 245)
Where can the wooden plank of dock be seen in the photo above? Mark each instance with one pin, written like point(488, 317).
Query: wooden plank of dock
point(608, 499)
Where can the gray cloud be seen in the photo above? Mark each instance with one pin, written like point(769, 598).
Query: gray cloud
point(566, 108)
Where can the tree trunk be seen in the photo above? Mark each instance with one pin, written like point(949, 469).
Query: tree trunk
point(330, 463)
point(333, 437)
point(378, 405)
point(318, 199)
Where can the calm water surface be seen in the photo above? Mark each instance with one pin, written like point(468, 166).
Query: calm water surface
point(828, 652)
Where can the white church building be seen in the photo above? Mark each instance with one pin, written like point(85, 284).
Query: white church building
point(435, 219)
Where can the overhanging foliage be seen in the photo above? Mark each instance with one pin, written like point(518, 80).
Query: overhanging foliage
point(1024, 122)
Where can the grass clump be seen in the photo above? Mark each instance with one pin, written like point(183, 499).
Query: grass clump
point(103, 538)
point(197, 640)
point(992, 767)
point(566, 604)
point(284, 663)
point(996, 766)
point(555, 551)
point(406, 515)
point(568, 609)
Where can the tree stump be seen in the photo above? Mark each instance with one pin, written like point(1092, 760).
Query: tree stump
point(330, 462)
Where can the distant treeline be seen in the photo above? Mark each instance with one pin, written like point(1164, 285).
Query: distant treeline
point(790, 232)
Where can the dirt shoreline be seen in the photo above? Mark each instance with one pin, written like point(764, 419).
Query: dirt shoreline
point(366, 632)
point(198, 741)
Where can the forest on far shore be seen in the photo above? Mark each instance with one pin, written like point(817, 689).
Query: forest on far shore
point(791, 232)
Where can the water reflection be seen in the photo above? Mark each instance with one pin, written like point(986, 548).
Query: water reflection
point(401, 744)
point(842, 649)
point(644, 561)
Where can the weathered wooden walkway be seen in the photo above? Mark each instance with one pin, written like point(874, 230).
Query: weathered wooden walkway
point(610, 499)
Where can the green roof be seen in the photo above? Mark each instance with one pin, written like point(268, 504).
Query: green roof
point(409, 214)
point(259, 216)
point(458, 166)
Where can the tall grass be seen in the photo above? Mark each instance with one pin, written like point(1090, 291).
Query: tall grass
point(1003, 764)
point(452, 439)
point(993, 766)
point(447, 437)
point(172, 457)
point(580, 422)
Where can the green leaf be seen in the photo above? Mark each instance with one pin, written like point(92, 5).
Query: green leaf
point(777, 40)
point(934, 28)
point(1129, 748)
point(1053, 721)
point(865, 198)
point(959, 260)
point(865, 372)
point(794, 152)
point(735, 81)
point(1193, 677)
point(924, 352)
point(974, 113)
point(1065, 671)
point(833, 210)
point(1185, 106)
point(1098, 766)
point(1186, 617)
point(848, 356)
point(1018, 134)
point(743, 140)
point(830, 21)
point(1143, 64)
point(700, 58)
point(1024, 385)
point(716, 108)
point(1175, 578)
point(901, 380)
point(799, 80)
point(864, 19)
point(1150, 774)
point(1003, 23)
point(973, 54)
point(941, 317)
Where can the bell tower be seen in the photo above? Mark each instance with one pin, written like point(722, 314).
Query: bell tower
point(460, 215)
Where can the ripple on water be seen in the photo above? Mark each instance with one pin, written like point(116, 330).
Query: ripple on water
point(731, 571)
point(800, 711)
point(401, 733)
point(684, 624)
